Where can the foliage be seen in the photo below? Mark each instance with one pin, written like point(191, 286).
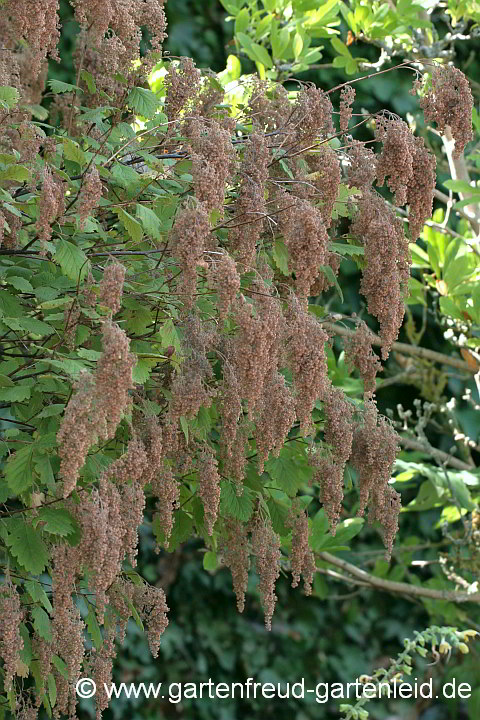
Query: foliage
point(157, 343)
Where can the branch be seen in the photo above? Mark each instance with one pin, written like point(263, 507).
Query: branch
point(440, 455)
point(399, 587)
point(458, 171)
point(407, 349)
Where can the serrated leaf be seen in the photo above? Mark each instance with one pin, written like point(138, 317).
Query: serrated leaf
point(38, 594)
point(19, 283)
point(31, 325)
point(57, 521)
point(72, 151)
point(344, 249)
point(143, 101)
point(72, 260)
point(132, 226)
point(94, 628)
point(41, 623)
point(19, 469)
point(9, 96)
point(26, 545)
point(181, 531)
point(239, 507)
point(278, 514)
point(280, 256)
point(5, 381)
point(18, 393)
point(38, 111)
point(15, 173)
point(57, 86)
point(89, 81)
point(149, 220)
point(52, 689)
point(288, 471)
point(327, 270)
point(61, 666)
point(51, 410)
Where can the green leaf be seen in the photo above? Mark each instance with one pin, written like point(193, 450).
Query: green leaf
point(19, 283)
point(26, 545)
point(61, 666)
point(38, 594)
point(278, 514)
point(280, 256)
point(297, 45)
point(340, 47)
point(239, 507)
point(19, 393)
point(41, 623)
point(52, 689)
point(89, 81)
point(232, 6)
point(9, 96)
point(327, 270)
point(19, 469)
point(461, 186)
point(72, 151)
point(29, 324)
point(279, 40)
point(57, 86)
point(234, 67)
point(16, 173)
point(93, 627)
point(289, 470)
point(10, 305)
point(182, 530)
point(132, 226)
point(344, 249)
point(38, 111)
point(150, 221)
point(55, 520)
point(72, 260)
point(210, 560)
point(143, 101)
point(262, 55)
point(242, 21)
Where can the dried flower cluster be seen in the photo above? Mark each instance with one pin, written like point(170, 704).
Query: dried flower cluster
point(385, 277)
point(360, 355)
point(111, 286)
point(51, 205)
point(373, 456)
point(302, 558)
point(96, 409)
point(266, 549)
point(449, 102)
point(11, 642)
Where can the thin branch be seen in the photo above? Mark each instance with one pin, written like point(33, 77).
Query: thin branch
point(421, 352)
point(440, 455)
point(398, 587)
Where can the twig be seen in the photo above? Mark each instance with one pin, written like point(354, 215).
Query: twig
point(398, 587)
point(440, 455)
point(407, 349)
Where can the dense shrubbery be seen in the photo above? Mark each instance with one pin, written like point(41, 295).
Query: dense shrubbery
point(165, 258)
